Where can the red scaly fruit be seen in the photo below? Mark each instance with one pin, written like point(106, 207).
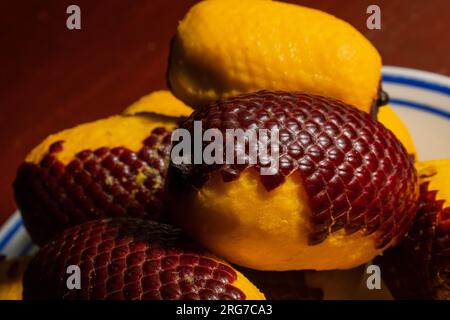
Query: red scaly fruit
point(357, 177)
point(419, 268)
point(56, 190)
point(131, 259)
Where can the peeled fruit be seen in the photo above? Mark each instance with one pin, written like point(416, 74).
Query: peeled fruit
point(345, 188)
point(226, 47)
point(419, 268)
point(131, 259)
point(388, 117)
point(11, 273)
point(160, 102)
point(106, 168)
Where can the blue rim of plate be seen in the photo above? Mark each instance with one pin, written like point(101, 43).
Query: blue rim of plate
point(421, 80)
point(390, 75)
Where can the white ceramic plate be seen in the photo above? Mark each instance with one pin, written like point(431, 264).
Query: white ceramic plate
point(422, 99)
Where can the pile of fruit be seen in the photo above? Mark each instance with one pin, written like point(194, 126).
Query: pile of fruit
point(108, 198)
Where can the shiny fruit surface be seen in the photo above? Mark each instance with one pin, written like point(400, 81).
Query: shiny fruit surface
point(345, 188)
point(131, 259)
point(226, 47)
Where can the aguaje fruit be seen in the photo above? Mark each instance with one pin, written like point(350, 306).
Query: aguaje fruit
point(226, 47)
point(345, 188)
point(132, 259)
point(419, 267)
point(107, 168)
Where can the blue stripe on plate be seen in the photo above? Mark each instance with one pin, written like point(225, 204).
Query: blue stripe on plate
point(10, 233)
point(421, 106)
point(417, 83)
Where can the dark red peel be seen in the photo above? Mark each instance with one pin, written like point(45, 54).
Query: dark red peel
point(419, 268)
point(356, 173)
point(126, 258)
point(95, 184)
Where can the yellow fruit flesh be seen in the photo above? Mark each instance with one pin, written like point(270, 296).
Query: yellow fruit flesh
point(226, 47)
point(242, 283)
point(115, 131)
point(251, 292)
point(388, 117)
point(11, 273)
point(249, 226)
point(159, 102)
point(437, 174)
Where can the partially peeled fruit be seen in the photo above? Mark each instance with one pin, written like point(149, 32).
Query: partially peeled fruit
point(419, 267)
point(344, 191)
point(106, 168)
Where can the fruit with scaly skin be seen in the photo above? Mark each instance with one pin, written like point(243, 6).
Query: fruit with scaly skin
point(419, 268)
point(110, 167)
point(132, 259)
point(344, 191)
point(226, 47)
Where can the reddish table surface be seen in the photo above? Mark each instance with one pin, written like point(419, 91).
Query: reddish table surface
point(52, 78)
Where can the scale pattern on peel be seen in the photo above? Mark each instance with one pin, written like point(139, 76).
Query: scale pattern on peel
point(95, 184)
point(356, 174)
point(419, 267)
point(126, 258)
